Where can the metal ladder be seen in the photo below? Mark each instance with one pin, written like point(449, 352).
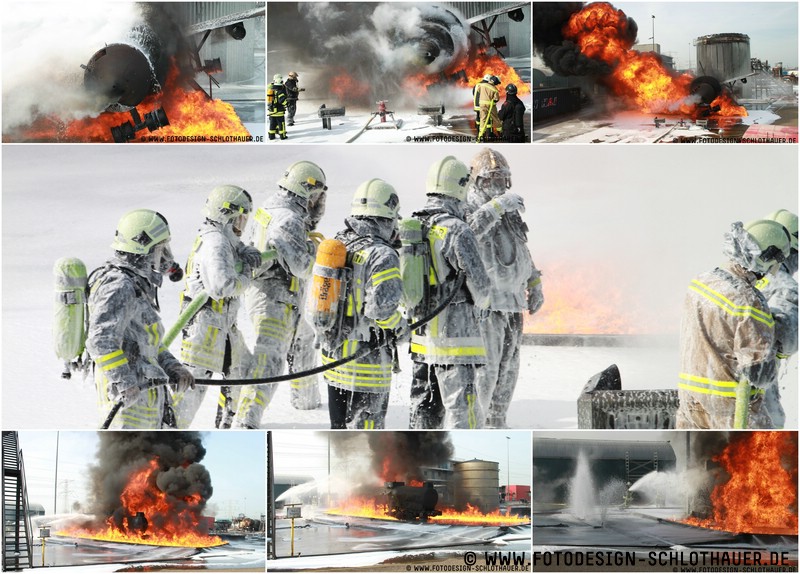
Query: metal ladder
point(17, 538)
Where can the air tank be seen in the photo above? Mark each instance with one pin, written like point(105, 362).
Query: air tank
point(476, 482)
point(724, 56)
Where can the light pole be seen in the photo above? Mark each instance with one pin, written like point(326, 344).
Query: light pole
point(654, 31)
point(508, 466)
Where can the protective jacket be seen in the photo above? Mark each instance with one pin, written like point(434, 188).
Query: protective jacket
point(275, 297)
point(276, 99)
point(124, 339)
point(292, 91)
point(373, 295)
point(780, 291)
point(486, 92)
point(727, 336)
point(453, 337)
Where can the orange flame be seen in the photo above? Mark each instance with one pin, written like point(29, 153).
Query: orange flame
point(190, 114)
point(365, 507)
point(640, 79)
point(166, 525)
point(345, 87)
point(485, 64)
point(761, 494)
point(577, 302)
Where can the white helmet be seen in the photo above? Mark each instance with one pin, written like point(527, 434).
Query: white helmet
point(375, 198)
point(139, 231)
point(448, 176)
point(303, 178)
point(229, 203)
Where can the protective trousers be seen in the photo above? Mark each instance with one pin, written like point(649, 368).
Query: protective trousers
point(700, 411)
point(456, 395)
point(502, 336)
point(302, 357)
point(275, 323)
point(357, 410)
point(145, 414)
point(277, 126)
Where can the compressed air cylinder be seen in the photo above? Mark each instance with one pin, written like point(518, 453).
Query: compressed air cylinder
point(327, 284)
point(413, 261)
point(69, 326)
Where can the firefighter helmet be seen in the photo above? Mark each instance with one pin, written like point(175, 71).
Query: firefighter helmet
point(788, 220)
point(227, 203)
point(303, 178)
point(375, 198)
point(293, 75)
point(139, 231)
point(277, 79)
point(495, 81)
point(511, 89)
point(490, 163)
point(773, 240)
point(487, 78)
point(448, 176)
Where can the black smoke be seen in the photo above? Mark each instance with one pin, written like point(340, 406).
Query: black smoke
point(561, 55)
point(179, 474)
point(408, 452)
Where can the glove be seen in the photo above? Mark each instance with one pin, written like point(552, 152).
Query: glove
point(250, 256)
point(508, 202)
point(128, 394)
point(180, 378)
point(535, 298)
point(402, 333)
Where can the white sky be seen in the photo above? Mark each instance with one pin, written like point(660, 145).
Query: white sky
point(235, 461)
point(771, 26)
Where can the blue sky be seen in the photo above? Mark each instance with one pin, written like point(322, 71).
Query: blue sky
point(235, 461)
point(771, 26)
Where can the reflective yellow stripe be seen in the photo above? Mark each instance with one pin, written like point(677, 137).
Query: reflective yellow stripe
point(729, 306)
point(369, 425)
point(535, 282)
point(393, 273)
point(453, 351)
point(105, 364)
point(111, 355)
point(390, 322)
point(710, 387)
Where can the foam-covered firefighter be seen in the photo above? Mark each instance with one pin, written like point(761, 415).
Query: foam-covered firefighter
point(277, 102)
point(448, 351)
point(353, 304)
point(728, 334)
point(487, 96)
point(494, 216)
point(780, 291)
point(115, 314)
point(219, 269)
point(274, 300)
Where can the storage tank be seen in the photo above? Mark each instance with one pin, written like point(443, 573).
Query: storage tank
point(724, 56)
point(476, 482)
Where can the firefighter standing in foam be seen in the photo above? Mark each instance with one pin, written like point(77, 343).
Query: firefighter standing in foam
point(358, 391)
point(274, 299)
point(494, 216)
point(125, 330)
point(219, 265)
point(728, 332)
point(780, 292)
point(448, 351)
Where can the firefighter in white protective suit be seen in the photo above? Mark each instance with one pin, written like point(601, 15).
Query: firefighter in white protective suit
point(275, 297)
point(358, 391)
point(780, 291)
point(449, 352)
point(125, 330)
point(728, 332)
point(494, 216)
point(220, 266)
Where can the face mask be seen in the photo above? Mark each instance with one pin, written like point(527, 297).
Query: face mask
point(164, 262)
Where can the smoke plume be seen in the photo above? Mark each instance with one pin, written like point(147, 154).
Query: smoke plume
point(366, 52)
point(179, 475)
point(402, 455)
point(561, 55)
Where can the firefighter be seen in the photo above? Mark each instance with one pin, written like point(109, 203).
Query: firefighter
point(448, 352)
point(274, 300)
point(125, 329)
point(487, 95)
point(512, 114)
point(476, 106)
point(780, 291)
point(728, 332)
point(276, 107)
point(358, 391)
point(494, 216)
point(219, 265)
point(292, 94)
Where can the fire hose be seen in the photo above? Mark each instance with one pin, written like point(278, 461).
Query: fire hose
point(194, 306)
point(742, 408)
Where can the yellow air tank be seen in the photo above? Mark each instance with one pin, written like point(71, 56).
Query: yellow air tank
point(327, 283)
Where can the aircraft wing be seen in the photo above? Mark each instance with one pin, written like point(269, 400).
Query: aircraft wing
point(223, 21)
point(497, 12)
